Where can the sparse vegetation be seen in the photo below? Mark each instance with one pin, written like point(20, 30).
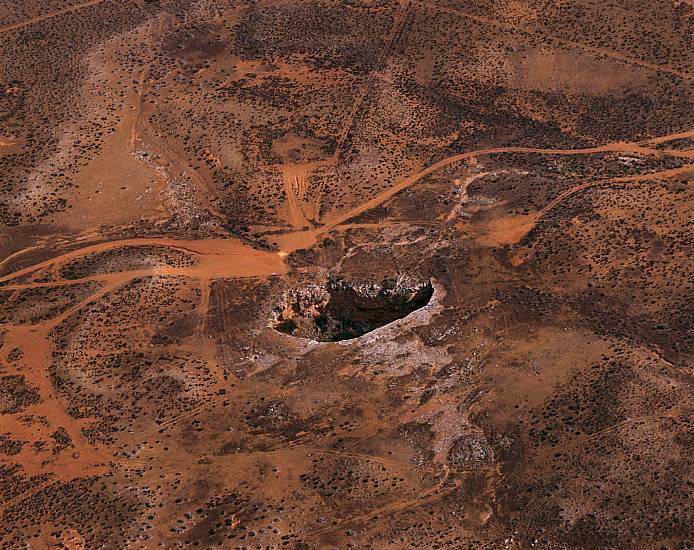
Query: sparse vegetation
point(185, 181)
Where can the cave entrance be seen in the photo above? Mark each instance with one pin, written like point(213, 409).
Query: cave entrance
point(341, 311)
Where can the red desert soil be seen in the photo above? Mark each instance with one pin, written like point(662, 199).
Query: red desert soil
point(361, 274)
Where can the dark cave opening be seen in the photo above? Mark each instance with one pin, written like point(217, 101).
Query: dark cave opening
point(340, 311)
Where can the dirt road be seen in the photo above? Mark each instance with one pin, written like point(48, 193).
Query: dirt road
point(219, 258)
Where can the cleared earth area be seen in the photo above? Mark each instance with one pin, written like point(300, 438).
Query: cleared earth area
point(346, 274)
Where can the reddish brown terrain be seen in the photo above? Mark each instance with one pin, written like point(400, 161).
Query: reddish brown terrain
point(378, 274)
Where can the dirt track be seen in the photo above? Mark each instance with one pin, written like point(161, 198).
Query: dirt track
point(218, 257)
point(294, 241)
point(34, 20)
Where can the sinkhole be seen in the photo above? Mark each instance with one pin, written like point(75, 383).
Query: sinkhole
point(341, 311)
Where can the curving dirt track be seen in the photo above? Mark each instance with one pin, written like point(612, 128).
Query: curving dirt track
point(293, 241)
